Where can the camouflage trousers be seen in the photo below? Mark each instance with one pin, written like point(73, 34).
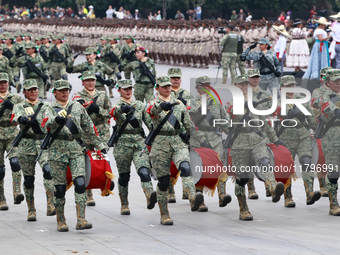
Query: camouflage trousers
point(144, 90)
point(124, 155)
point(161, 159)
point(5, 145)
point(16, 72)
point(240, 64)
point(332, 155)
point(57, 70)
point(127, 74)
point(229, 63)
point(58, 172)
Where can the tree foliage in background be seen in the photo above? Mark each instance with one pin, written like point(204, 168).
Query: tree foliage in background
point(335, 5)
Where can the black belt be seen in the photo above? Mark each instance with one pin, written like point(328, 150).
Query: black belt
point(170, 133)
point(206, 129)
point(6, 124)
point(68, 137)
point(131, 132)
point(57, 60)
point(266, 73)
point(34, 136)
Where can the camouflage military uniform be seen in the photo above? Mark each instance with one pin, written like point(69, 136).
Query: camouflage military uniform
point(67, 151)
point(29, 149)
point(330, 141)
point(129, 146)
point(4, 66)
point(239, 52)
point(19, 51)
point(127, 49)
point(229, 44)
point(210, 137)
point(250, 144)
point(168, 146)
point(7, 133)
point(143, 87)
point(268, 78)
point(98, 67)
point(36, 60)
point(297, 140)
point(100, 120)
point(57, 65)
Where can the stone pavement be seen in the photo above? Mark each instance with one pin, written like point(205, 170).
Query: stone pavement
point(274, 230)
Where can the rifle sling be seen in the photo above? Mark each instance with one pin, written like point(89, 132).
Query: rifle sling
point(129, 116)
point(159, 127)
point(27, 127)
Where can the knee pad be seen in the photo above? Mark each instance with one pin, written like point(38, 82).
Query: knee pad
point(79, 185)
point(124, 179)
point(264, 162)
point(184, 168)
point(52, 77)
point(29, 181)
point(333, 177)
point(47, 172)
point(2, 172)
point(163, 183)
point(242, 181)
point(60, 191)
point(15, 165)
point(143, 173)
point(64, 77)
point(305, 162)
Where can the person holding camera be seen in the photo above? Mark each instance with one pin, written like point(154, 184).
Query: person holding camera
point(267, 62)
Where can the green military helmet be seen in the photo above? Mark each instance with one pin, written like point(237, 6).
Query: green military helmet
point(241, 78)
point(163, 81)
point(90, 50)
point(90, 74)
point(124, 84)
point(175, 72)
point(333, 74)
point(30, 45)
point(253, 73)
point(324, 70)
point(264, 41)
point(61, 84)
point(30, 83)
point(4, 77)
point(288, 79)
point(202, 80)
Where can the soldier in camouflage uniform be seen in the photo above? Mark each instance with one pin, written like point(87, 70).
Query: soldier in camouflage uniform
point(57, 65)
point(92, 64)
point(297, 140)
point(7, 133)
point(103, 43)
point(113, 47)
point(168, 146)
point(330, 113)
point(98, 110)
point(229, 44)
point(36, 60)
point(250, 144)
point(67, 150)
point(175, 75)
point(209, 137)
point(144, 88)
point(130, 144)
point(44, 48)
point(29, 146)
point(129, 47)
point(4, 65)
point(239, 51)
point(19, 51)
point(268, 78)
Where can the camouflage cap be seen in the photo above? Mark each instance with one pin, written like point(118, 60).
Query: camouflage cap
point(61, 84)
point(27, 34)
point(175, 72)
point(57, 37)
point(30, 83)
point(288, 79)
point(90, 50)
point(30, 45)
point(202, 80)
point(253, 72)
point(264, 41)
point(324, 70)
point(88, 75)
point(333, 74)
point(4, 77)
point(18, 33)
point(241, 78)
point(163, 81)
point(6, 34)
point(38, 38)
point(1, 47)
point(103, 37)
point(124, 84)
point(128, 37)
